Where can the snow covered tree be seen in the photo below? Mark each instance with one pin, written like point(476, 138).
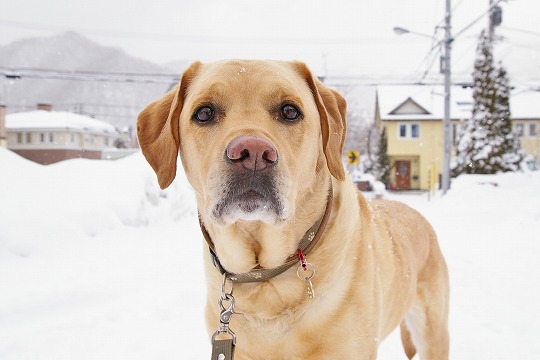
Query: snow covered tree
point(381, 166)
point(487, 144)
point(509, 151)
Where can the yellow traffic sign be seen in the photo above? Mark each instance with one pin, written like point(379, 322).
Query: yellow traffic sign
point(354, 157)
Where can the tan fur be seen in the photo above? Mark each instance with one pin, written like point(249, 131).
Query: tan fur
point(378, 264)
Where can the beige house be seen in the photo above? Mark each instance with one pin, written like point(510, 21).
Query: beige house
point(3, 132)
point(46, 136)
point(412, 116)
point(525, 112)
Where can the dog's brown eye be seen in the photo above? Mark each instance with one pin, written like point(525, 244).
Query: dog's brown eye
point(290, 112)
point(204, 114)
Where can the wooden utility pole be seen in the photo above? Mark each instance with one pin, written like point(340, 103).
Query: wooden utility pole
point(491, 26)
point(447, 141)
point(495, 19)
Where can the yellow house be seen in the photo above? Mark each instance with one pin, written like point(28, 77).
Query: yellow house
point(412, 116)
point(525, 112)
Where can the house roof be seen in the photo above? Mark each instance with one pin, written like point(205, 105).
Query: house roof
point(525, 105)
point(419, 102)
point(409, 106)
point(52, 120)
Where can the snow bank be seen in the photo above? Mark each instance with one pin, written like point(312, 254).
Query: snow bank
point(91, 259)
point(82, 198)
point(97, 263)
point(488, 228)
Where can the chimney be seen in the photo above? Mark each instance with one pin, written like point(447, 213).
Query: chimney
point(3, 131)
point(44, 106)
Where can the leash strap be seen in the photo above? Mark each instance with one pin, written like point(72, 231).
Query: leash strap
point(222, 349)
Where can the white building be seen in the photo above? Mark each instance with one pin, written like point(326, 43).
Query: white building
point(46, 136)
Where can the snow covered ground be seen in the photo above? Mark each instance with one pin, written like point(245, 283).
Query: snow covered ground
point(97, 263)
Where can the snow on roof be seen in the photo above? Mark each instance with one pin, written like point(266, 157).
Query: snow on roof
point(523, 105)
point(41, 119)
point(428, 99)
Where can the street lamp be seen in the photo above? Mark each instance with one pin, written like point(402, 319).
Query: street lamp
point(10, 77)
point(446, 70)
point(400, 31)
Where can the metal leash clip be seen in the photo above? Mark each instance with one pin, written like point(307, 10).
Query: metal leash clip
point(224, 349)
point(225, 318)
point(225, 313)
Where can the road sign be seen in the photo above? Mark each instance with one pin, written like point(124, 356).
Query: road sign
point(354, 157)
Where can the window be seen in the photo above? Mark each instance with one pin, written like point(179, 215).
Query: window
point(72, 138)
point(51, 137)
point(402, 131)
point(41, 137)
point(415, 131)
point(19, 138)
point(532, 129)
point(409, 131)
point(28, 138)
point(519, 129)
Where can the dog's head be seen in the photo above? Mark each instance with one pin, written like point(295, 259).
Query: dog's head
point(253, 136)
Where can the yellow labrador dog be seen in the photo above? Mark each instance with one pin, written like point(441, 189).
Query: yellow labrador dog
point(316, 270)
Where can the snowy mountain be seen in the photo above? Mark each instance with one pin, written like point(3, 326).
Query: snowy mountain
point(76, 74)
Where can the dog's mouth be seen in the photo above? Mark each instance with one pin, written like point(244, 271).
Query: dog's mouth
point(252, 197)
point(250, 201)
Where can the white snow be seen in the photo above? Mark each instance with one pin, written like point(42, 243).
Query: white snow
point(41, 119)
point(97, 263)
point(523, 104)
point(429, 98)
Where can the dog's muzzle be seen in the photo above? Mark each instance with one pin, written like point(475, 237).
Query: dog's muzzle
point(250, 153)
point(250, 191)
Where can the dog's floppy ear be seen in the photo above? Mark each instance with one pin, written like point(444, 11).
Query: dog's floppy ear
point(158, 129)
point(333, 113)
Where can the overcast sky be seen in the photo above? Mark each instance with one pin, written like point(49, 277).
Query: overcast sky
point(334, 37)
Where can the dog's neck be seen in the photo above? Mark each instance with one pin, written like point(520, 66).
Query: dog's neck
point(246, 245)
point(260, 273)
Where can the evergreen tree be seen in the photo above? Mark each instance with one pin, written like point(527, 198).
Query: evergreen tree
point(381, 167)
point(486, 142)
point(509, 151)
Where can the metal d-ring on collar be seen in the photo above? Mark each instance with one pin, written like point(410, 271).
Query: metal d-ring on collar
point(259, 274)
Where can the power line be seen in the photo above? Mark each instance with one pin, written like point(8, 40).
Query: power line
point(50, 74)
point(430, 65)
point(436, 45)
point(91, 72)
point(93, 79)
point(457, 5)
point(85, 75)
point(491, 6)
point(523, 31)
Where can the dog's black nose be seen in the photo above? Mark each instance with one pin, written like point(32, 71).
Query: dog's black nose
point(251, 153)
